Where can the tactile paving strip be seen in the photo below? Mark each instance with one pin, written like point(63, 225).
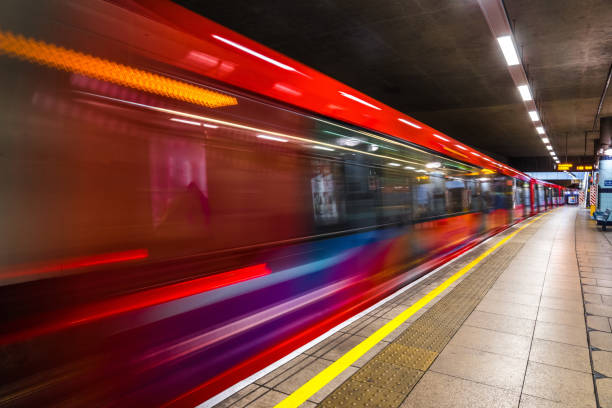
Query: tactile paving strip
point(387, 379)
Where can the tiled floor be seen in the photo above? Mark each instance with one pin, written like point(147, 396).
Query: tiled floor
point(524, 345)
point(594, 252)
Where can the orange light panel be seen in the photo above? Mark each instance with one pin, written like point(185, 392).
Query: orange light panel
point(73, 61)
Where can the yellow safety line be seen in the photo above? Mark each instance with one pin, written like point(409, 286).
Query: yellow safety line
point(300, 395)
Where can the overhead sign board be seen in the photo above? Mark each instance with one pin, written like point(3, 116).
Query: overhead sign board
point(584, 167)
point(564, 166)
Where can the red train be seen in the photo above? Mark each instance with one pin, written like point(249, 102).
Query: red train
point(182, 206)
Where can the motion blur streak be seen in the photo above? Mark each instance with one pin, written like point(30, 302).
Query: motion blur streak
point(74, 61)
point(32, 273)
point(220, 251)
point(141, 300)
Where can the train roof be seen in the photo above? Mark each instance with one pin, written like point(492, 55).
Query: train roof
point(199, 45)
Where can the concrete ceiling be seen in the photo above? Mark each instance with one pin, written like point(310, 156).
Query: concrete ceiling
point(437, 61)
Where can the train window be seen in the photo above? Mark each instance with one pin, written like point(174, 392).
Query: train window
point(395, 197)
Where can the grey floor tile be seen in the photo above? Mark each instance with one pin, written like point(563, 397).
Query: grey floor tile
point(606, 300)
point(243, 397)
point(598, 310)
point(601, 340)
point(598, 323)
point(498, 295)
point(492, 341)
point(572, 294)
point(589, 281)
point(286, 370)
point(604, 282)
point(442, 391)
point(299, 378)
point(528, 401)
point(560, 355)
point(569, 387)
point(604, 392)
point(482, 367)
point(496, 322)
point(602, 362)
point(560, 333)
point(561, 285)
point(267, 400)
point(562, 304)
point(592, 298)
point(394, 311)
point(508, 309)
point(370, 328)
point(561, 317)
point(518, 288)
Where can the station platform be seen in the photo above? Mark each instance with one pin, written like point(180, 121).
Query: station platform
point(521, 320)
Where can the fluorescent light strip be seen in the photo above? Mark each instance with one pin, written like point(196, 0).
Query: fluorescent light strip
point(210, 126)
point(187, 122)
point(534, 115)
point(394, 164)
point(442, 138)
point(414, 125)
point(475, 154)
point(507, 46)
point(329, 149)
point(361, 101)
point(433, 165)
point(409, 168)
point(273, 138)
point(525, 92)
point(255, 53)
point(461, 147)
point(545, 140)
point(549, 147)
point(540, 130)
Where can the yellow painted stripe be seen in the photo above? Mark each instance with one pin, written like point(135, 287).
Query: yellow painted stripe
point(65, 59)
point(300, 395)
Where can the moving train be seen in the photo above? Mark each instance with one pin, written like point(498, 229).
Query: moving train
point(182, 206)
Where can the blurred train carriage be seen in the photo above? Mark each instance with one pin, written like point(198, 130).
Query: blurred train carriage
point(170, 227)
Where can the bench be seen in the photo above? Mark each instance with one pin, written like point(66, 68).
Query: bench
point(602, 218)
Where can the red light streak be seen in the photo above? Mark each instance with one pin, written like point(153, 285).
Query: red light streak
point(131, 302)
point(75, 263)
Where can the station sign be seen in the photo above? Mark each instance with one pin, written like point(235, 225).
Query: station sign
point(564, 166)
point(584, 167)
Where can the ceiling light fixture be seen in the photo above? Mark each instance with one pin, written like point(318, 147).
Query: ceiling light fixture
point(534, 115)
point(475, 154)
point(433, 165)
point(545, 140)
point(414, 125)
point(525, 92)
point(210, 126)
point(540, 130)
point(394, 164)
point(507, 46)
point(409, 168)
point(549, 147)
